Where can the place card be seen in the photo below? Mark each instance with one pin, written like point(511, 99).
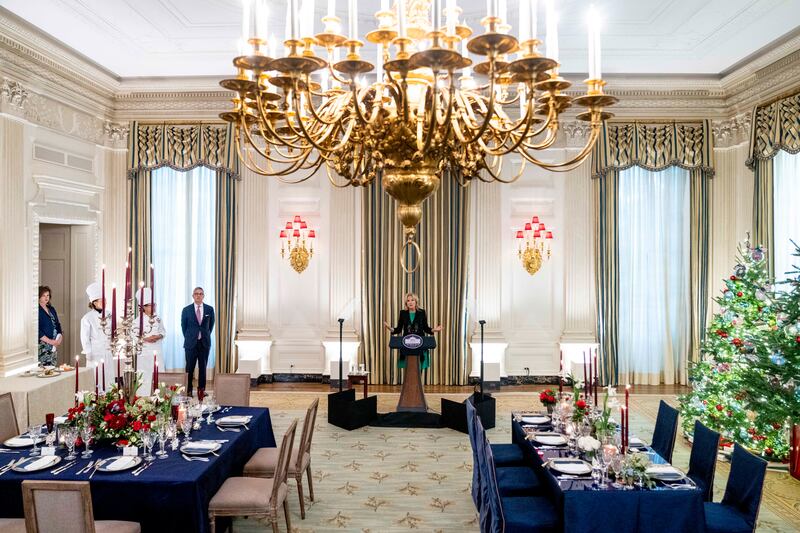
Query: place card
point(130, 451)
point(48, 450)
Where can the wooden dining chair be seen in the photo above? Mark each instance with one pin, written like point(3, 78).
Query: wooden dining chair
point(8, 418)
point(65, 507)
point(264, 462)
point(12, 525)
point(232, 389)
point(174, 378)
point(257, 497)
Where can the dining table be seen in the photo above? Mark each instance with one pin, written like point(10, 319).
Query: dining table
point(171, 494)
point(588, 507)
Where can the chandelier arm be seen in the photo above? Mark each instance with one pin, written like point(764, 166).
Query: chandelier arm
point(294, 166)
point(512, 180)
point(356, 105)
point(248, 161)
point(572, 163)
point(305, 134)
point(350, 181)
point(433, 122)
point(314, 112)
point(526, 122)
point(552, 135)
point(264, 121)
point(266, 154)
point(313, 170)
point(332, 72)
point(524, 135)
point(489, 110)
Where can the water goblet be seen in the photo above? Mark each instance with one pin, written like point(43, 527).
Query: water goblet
point(196, 414)
point(147, 441)
point(70, 437)
point(87, 432)
point(161, 431)
point(172, 434)
point(186, 427)
point(34, 431)
point(211, 405)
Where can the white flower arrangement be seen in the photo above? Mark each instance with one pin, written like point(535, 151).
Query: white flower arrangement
point(588, 444)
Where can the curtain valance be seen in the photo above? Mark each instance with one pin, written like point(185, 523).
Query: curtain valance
point(776, 126)
point(654, 147)
point(182, 147)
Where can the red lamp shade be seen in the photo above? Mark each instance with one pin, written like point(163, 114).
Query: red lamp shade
point(535, 220)
point(283, 234)
point(541, 227)
point(288, 225)
point(297, 219)
point(527, 226)
point(548, 235)
point(311, 234)
point(296, 233)
point(537, 234)
point(303, 225)
point(519, 235)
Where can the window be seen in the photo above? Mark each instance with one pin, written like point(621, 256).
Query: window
point(654, 293)
point(786, 191)
point(183, 234)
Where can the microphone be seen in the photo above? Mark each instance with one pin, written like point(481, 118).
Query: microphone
point(481, 322)
point(341, 321)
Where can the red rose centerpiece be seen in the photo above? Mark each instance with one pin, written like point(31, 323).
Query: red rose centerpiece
point(548, 399)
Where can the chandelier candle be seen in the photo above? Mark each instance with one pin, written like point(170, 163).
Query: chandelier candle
point(552, 30)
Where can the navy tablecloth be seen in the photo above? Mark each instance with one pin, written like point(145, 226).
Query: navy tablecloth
point(622, 511)
point(172, 495)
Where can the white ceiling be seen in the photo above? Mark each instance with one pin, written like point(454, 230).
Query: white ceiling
point(142, 38)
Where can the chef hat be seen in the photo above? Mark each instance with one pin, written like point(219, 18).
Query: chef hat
point(146, 298)
point(94, 292)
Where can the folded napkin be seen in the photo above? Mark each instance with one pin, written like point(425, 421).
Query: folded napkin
point(200, 446)
point(636, 441)
point(540, 419)
point(660, 470)
point(60, 420)
point(236, 419)
point(42, 462)
point(571, 467)
point(120, 463)
point(548, 438)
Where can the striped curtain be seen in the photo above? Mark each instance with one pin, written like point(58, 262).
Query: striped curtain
point(776, 126)
point(653, 147)
point(440, 282)
point(184, 147)
point(225, 269)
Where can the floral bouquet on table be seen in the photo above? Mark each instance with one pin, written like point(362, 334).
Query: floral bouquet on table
point(634, 470)
point(548, 399)
point(119, 419)
point(589, 445)
point(580, 407)
point(603, 425)
point(164, 396)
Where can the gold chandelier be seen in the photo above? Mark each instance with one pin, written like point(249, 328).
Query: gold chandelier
point(532, 251)
point(425, 117)
point(299, 254)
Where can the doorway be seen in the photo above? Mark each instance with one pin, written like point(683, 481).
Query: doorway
point(65, 265)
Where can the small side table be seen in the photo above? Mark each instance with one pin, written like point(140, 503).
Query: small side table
point(355, 379)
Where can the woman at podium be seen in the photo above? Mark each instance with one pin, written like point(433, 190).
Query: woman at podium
point(413, 319)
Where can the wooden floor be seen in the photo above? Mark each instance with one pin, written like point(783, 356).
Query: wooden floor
point(454, 389)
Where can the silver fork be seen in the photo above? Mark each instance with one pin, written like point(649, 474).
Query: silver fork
point(60, 469)
point(143, 468)
point(85, 468)
point(204, 459)
point(10, 465)
point(234, 430)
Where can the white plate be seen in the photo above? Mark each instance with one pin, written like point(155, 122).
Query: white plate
point(119, 464)
point(233, 421)
point(205, 448)
point(537, 419)
point(576, 467)
point(22, 441)
point(664, 473)
point(549, 439)
point(35, 464)
point(214, 410)
point(29, 373)
point(43, 375)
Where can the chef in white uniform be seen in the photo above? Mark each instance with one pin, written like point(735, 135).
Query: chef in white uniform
point(93, 340)
point(151, 343)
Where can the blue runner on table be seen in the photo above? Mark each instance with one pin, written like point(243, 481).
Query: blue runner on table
point(171, 495)
point(621, 511)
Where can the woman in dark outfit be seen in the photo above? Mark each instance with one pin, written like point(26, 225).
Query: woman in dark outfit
point(49, 329)
point(413, 319)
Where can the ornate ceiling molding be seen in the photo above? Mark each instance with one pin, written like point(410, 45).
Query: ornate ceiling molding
point(732, 131)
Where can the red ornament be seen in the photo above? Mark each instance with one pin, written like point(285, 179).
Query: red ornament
point(776, 426)
point(739, 294)
point(768, 451)
point(737, 341)
point(733, 278)
point(719, 407)
point(729, 412)
point(797, 339)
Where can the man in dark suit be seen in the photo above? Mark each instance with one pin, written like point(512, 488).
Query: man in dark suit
point(197, 324)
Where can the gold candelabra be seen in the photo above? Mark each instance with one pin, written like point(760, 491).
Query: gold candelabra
point(425, 117)
point(299, 254)
point(532, 250)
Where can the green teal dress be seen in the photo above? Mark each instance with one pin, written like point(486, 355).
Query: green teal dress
point(425, 362)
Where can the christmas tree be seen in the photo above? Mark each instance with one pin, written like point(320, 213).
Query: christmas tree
point(774, 376)
point(741, 333)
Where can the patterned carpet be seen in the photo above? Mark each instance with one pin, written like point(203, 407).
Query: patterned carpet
point(400, 479)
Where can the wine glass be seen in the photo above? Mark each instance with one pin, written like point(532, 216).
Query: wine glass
point(186, 426)
point(172, 434)
point(87, 432)
point(70, 436)
point(161, 430)
point(211, 404)
point(34, 431)
point(148, 439)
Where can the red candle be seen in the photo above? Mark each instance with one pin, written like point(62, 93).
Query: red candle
point(596, 381)
point(622, 427)
point(627, 413)
point(153, 288)
point(114, 320)
point(104, 374)
point(141, 309)
point(96, 387)
point(561, 372)
point(585, 379)
point(155, 374)
point(77, 368)
point(126, 296)
point(103, 288)
point(590, 385)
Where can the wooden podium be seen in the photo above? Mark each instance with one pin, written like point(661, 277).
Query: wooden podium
point(412, 395)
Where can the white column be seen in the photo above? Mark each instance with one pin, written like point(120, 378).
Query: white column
point(579, 288)
point(14, 297)
point(486, 251)
point(344, 298)
point(253, 340)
